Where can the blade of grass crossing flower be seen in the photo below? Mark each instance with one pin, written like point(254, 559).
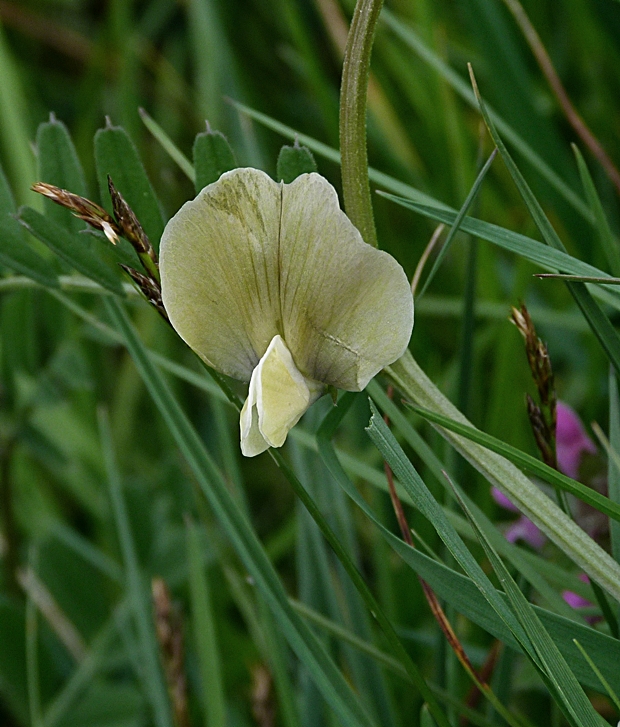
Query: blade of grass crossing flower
point(269, 641)
point(457, 222)
point(168, 145)
point(529, 463)
point(345, 559)
point(330, 681)
point(600, 324)
point(384, 440)
point(610, 692)
point(274, 647)
point(15, 252)
point(137, 589)
point(568, 692)
point(205, 638)
point(608, 242)
point(117, 157)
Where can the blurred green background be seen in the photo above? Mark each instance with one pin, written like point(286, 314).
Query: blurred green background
point(183, 61)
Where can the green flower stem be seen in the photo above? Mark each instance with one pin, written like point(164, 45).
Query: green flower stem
point(409, 378)
point(356, 577)
point(353, 92)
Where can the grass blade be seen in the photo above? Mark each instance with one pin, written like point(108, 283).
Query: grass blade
point(13, 125)
point(32, 650)
point(168, 145)
point(608, 242)
point(568, 691)
point(15, 253)
point(205, 637)
point(571, 539)
point(599, 322)
point(527, 462)
point(413, 41)
point(613, 469)
point(457, 222)
point(138, 592)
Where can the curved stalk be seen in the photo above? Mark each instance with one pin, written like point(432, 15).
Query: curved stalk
point(409, 378)
point(353, 96)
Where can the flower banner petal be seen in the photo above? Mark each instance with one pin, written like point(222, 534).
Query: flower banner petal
point(347, 308)
point(219, 270)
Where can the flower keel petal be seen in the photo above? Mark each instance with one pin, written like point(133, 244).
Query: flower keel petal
point(279, 395)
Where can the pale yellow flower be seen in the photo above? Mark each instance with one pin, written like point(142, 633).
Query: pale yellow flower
point(272, 284)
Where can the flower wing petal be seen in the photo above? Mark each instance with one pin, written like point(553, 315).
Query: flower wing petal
point(219, 270)
point(347, 308)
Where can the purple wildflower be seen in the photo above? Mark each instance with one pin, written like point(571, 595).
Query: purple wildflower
point(522, 528)
point(571, 440)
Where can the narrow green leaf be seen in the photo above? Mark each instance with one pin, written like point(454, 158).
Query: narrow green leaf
point(606, 686)
point(116, 156)
point(599, 322)
point(412, 39)
point(137, 588)
point(87, 670)
point(212, 157)
point(203, 621)
point(74, 248)
point(58, 164)
point(330, 681)
point(458, 220)
point(459, 590)
point(293, 161)
point(605, 235)
point(537, 252)
point(385, 442)
point(15, 252)
point(571, 539)
point(168, 145)
point(527, 462)
point(578, 278)
point(514, 554)
point(567, 689)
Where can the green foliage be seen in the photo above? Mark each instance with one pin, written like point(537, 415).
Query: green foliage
point(293, 161)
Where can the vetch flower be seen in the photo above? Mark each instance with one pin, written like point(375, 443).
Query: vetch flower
point(522, 528)
point(272, 284)
point(571, 440)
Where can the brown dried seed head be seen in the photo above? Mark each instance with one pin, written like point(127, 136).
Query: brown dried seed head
point(128, 222)
point(149, 288)
point(82, 208)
